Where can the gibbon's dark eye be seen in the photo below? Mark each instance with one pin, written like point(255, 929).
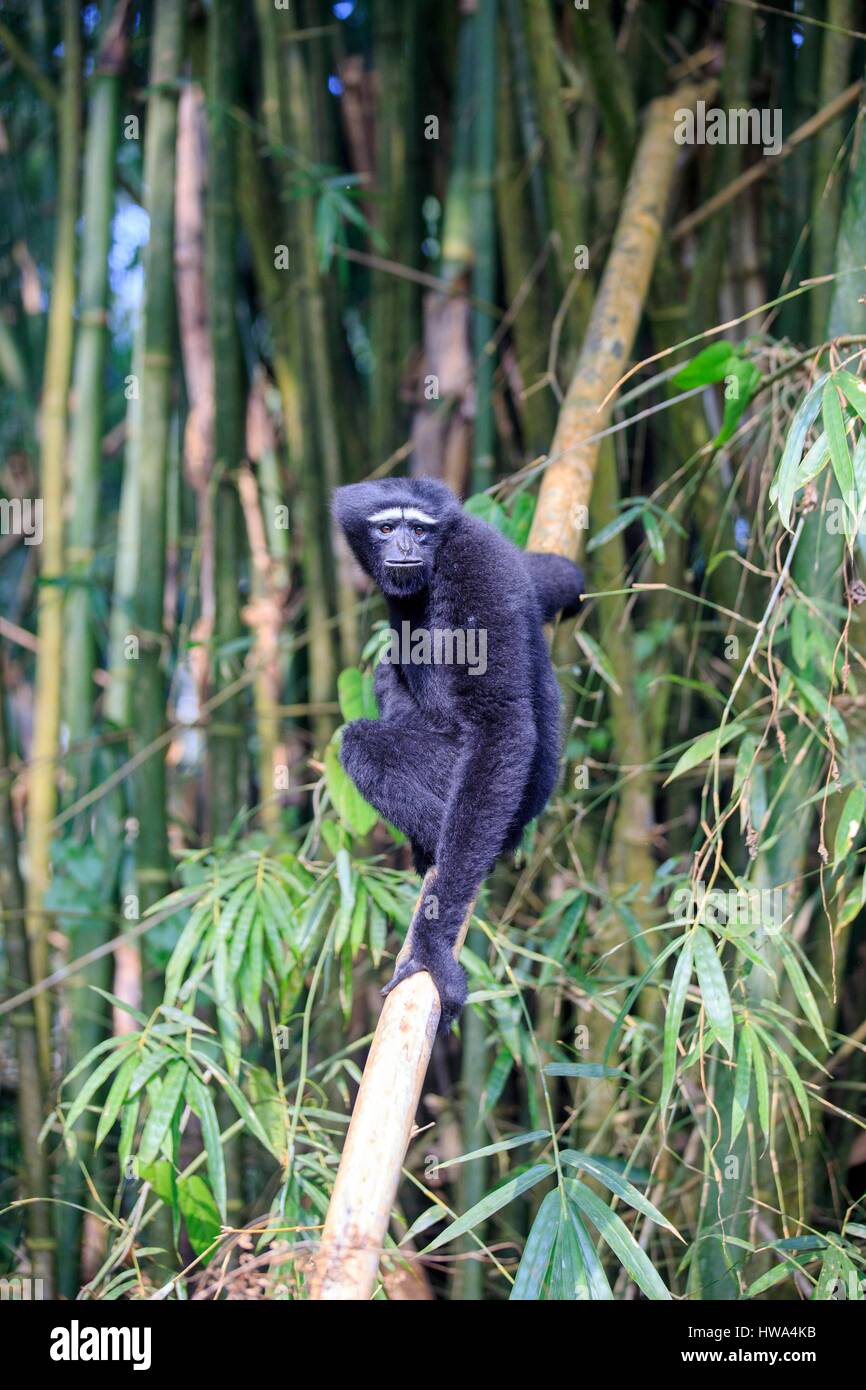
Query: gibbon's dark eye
point(386, 529)
point(419, 530)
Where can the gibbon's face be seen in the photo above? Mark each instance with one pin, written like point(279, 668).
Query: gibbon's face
point(402, 541)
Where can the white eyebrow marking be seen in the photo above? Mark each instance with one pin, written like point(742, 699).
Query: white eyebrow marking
point(404, 514)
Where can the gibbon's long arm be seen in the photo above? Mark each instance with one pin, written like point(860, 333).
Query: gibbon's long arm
point(557, 582)
point(393, 696)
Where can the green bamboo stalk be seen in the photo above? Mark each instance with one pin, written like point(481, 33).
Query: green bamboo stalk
point(89, 373)
point(121, 669)
point(457, 242)
point(30, 68)
point(221, 271)
point(472, 1177)
point(224, 737)
point(563, 190)
point(394, 299)
point(157, 363)
point(285, 299)
point(836, 46)
point(610, 83)
point(526, 114)
point(519, 251)
point(484, 225)
point(42, 801)
point(36, 1182)
point(315, 361)
point(88, 1017)
point(706, 275)
point(259, 222)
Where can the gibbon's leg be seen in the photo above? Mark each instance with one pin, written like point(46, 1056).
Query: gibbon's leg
point(486, 791)
point(406, 774)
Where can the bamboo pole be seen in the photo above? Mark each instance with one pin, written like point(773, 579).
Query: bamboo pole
point(828, 168)
point(97, 205)
point(228, 419)
point(484, 265)
point(42, 786)
point(369, 1173)
point(36, 1176)
point(156, 364)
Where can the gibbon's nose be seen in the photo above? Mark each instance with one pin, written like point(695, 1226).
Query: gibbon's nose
point(401, 550)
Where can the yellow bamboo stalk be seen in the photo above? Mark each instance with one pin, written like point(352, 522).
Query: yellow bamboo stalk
point(42, 782)
point(354, 1236)
point(559, 526)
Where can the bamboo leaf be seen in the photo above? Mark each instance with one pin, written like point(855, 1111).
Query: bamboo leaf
point(201, 1102)
point(241, 1105)
point(128, 1121)
point(599, 1287)
point(800, 986)
point(94, 1082)
point(785, 486)
point(613, 528)
point(162, 1112)
point(359, 920)
point(619, 1238)
point(849, 825)
point(742, 1083)
point(673, 1018)
point(199, 1212)
point(593, 1070)
point(617, 1184)
point(790, 1071)
point(762, 1084)
point(503, 1144)
point(494, 1201)
point(704, 747)
point(714, 989)
point(241, 935)
point(709, 366)
point(148, 1066)
point(773, 1276)
point(837, 442)
point(189, 939)
point(535, 1261)
point(350, 693)
point(597, 659)
point(115, 1099)
point(568, 1280)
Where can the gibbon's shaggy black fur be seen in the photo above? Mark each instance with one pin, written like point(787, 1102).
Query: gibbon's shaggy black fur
point(460, 762)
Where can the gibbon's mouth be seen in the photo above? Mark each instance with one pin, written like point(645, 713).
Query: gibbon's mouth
point(403, 564)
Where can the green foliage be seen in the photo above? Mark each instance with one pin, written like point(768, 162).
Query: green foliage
point(722, 362)
point(840, 399)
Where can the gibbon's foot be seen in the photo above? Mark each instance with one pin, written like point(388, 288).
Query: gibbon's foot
point(448, 977)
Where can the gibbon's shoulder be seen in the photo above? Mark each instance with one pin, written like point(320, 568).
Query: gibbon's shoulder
point(483, 567)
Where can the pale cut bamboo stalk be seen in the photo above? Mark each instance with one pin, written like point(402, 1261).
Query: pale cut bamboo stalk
point(353, 1240)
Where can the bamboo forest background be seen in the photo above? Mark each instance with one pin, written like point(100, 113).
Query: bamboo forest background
point(251, 251)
